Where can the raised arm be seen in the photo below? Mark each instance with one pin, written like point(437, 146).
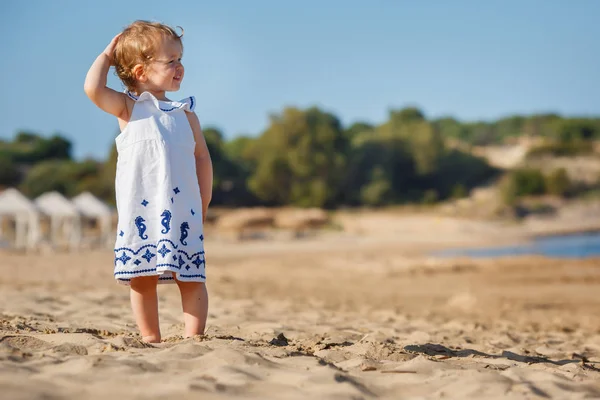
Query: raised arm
point(204, 168)
point(108, 100)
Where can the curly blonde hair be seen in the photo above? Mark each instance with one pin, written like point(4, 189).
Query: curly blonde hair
point(138, 44)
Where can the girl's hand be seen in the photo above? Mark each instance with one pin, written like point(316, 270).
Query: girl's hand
point(110, 49)
point(95, 88)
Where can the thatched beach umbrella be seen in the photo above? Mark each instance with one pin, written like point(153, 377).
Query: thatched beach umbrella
point(63, 214)
point(90, 207)
point(17, 207)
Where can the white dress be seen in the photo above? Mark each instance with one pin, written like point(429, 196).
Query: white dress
point(158, 197)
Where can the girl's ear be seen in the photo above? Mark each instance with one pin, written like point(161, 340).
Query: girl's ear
point(139, 73)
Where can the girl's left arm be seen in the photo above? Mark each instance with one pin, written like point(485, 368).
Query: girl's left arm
point(204, 168)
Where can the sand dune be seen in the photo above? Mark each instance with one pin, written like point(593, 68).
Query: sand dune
point(356, 321)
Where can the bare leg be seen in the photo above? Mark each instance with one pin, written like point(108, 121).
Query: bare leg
point(194, 299)
point(144, 303)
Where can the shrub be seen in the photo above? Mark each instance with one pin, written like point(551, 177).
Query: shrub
point(459, 191)
point(430, 197)
point(560, 149)
point(558, 182)
point(522, 182)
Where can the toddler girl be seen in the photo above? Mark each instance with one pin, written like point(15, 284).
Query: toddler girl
point(164, 174)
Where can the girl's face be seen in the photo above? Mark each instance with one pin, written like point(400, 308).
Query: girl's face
point(165, 72)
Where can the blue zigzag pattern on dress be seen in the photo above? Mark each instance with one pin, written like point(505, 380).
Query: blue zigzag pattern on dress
point(133, 251)
point(141, 271)
point(175, 246)
point(200, 253)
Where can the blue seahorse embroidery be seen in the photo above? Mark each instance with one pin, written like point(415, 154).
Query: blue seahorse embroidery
point(184, 233)
point(166, 221)
point(139, 222)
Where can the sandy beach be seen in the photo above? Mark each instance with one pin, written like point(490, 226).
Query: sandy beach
point(359, 314)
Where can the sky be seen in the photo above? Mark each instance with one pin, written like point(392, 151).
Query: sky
point(246, 60)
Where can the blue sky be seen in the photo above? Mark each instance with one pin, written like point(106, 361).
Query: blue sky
point(245, 59)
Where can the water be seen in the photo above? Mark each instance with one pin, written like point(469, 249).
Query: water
point(581, 245)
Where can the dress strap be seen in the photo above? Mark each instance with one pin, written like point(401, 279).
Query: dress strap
point(187, 104)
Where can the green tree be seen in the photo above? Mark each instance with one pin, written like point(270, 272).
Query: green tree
point(104, 186)
point(577, 130)
point(26, 138)
point(427, 147)
point(9, 172)
point(358, 128)
point(481, 133)
point(302, 159)
point(407, 114)
point(458, 172)
point(378, 191)
point(242, 149)
point(450, 128)
point(541, 125)
point(509, 127)
point(29, 148)
point(229, 176)
point(63, 176)
point(379, 171)
point(54, 148)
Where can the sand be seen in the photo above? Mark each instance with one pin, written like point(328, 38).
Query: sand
point(359, 314)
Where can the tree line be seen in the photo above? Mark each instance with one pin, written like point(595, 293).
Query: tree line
point(307, 158)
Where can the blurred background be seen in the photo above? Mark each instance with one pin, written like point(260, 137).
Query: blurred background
point(462, 108)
